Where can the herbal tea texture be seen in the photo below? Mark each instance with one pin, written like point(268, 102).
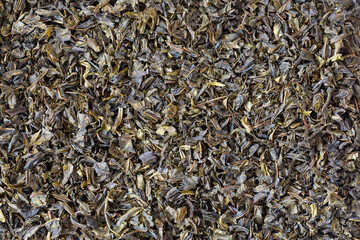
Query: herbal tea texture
point(180, 119)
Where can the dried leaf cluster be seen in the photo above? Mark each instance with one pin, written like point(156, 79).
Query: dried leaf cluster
point(180, 119)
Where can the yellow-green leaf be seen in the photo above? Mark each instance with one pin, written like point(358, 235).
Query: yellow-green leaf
point(336, 57)
point(217, 84)
point(246, 125)
point(264, 169)
point(2, 216)
point(314, 210)
point(188, 192)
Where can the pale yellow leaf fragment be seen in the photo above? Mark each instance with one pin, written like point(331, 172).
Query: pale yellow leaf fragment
point(277, 31)
point(169, 129)
point(306, 113)
point(314, 210)
point(2, 216)
point(161, 131)
point(246, 125)
point(217, 84)
point(336, 57)
point(264, 169)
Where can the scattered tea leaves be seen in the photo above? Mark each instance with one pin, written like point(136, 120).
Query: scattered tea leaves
point(179, 119)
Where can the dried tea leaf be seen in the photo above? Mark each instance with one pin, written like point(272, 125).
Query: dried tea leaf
point(217, 84)
point(180, 214)
point(39, 199)
point(122, 221)
point(2, 217)
point(147, 157)
point(93, 44)
point(31, 231)
point(179, 119)
point(246, 125)
point(68, 170)
point(264, 169)
point(314, 210)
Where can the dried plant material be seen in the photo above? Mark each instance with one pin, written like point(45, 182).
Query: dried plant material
point(38, 199)
point(180, 214)
point(246, 125)
point(2, 217)
point(179, 119)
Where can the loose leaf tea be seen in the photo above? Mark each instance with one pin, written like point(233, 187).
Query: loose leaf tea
point(180, 119)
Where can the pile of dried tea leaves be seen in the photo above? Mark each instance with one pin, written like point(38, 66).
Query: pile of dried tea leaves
point(180, 119)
